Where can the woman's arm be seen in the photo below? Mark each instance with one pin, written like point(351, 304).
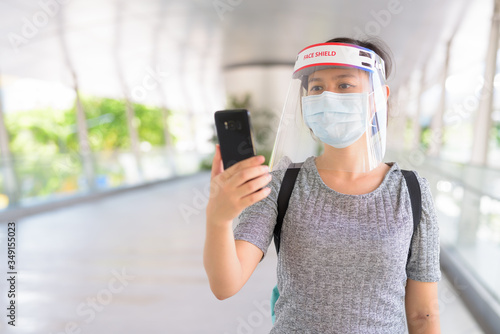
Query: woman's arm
point(422, 308)
point(229, 263)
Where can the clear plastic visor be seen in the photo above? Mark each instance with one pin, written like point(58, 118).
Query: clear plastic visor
point(334, 118)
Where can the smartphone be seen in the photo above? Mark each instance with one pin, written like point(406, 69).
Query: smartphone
point(234, 132)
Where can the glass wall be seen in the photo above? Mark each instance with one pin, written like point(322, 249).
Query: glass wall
point(467, 196)
point(47, 162)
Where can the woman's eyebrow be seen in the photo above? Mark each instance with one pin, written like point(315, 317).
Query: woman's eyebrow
point(345, 76)
point(314, 79)
point(340, 76)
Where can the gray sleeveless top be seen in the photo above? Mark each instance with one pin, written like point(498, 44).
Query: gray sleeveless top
point(342, 266)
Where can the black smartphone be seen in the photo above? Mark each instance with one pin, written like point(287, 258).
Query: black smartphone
point(235, 135)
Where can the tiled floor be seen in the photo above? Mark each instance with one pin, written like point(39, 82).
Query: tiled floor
point(132, 263)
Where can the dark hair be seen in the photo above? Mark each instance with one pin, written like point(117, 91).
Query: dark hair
point(376, 45)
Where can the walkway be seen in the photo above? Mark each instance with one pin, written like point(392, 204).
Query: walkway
point(132, 263)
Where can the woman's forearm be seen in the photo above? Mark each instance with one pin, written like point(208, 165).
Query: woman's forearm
point(221, 260)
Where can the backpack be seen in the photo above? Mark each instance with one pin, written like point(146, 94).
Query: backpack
point(286, 191)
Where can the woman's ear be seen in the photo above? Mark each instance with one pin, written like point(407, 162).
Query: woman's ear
point(387, 91)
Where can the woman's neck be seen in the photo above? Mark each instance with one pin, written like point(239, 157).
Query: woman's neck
point(348, 163)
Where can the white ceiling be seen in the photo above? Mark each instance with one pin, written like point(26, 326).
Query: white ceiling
point(191, 41)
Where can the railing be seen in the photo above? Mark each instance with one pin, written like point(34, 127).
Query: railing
point(41, 179)
point(467, 202)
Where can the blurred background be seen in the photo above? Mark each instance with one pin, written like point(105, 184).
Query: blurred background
point(107, 138)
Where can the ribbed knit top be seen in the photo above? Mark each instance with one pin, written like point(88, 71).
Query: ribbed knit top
point(342, 265)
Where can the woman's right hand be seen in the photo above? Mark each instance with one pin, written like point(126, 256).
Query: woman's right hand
point(231, 190)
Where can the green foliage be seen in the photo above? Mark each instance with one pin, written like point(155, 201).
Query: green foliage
point(37, 131)
point(426, 137)
point(45, 145)
point(106, 124)
point(235, 102)
point(407, 134)
point(150, 127)
point(497, 134)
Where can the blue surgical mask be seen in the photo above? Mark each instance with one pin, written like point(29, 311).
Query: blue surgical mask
point(336, 119)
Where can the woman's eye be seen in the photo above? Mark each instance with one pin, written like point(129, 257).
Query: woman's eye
point(345, 86)
point(316, 88)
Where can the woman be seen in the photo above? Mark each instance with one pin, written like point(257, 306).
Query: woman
point(343, 265)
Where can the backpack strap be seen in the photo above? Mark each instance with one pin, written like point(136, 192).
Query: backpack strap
point(284, 198)
point(416, 201)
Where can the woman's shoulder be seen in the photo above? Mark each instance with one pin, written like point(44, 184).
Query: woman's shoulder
point(422, 181)
point(279, 169)
point(285, 162)
point(282, 164)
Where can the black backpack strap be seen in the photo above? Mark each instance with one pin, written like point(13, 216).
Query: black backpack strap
point(284, 197)
point(415, 198)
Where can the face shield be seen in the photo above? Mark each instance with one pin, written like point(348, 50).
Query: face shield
point(336, 110)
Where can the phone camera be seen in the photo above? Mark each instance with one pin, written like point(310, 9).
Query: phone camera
point(233, 125)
